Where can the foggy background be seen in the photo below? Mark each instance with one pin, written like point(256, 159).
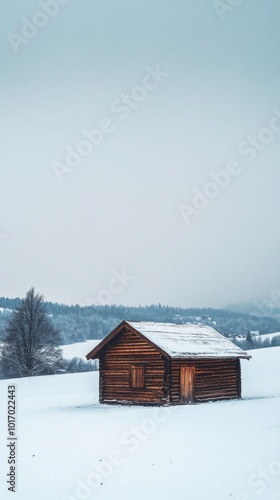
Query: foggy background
point(120, 208)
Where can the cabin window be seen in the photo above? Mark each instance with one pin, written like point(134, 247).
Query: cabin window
point(137, 380)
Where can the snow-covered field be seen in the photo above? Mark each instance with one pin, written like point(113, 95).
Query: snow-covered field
point(3, 310)
point(71, 447)
point(269, 336)
point(79, 349)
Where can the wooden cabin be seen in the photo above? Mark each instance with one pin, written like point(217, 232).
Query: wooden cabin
point(167, 364)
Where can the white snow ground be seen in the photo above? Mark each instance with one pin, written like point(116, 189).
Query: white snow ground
point(79, 349)
point(70, 447)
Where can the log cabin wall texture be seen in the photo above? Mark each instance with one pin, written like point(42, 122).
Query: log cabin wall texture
point(215, 379)
point(125, 351)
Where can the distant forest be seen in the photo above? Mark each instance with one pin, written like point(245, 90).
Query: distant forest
point(77, 323)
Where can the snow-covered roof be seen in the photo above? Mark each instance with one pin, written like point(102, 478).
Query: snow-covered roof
point(188, 340)
point(179, 341)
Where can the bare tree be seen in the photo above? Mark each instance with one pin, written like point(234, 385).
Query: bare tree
point(30, 347)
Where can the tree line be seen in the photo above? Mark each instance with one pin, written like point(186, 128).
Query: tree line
point(258, 342)
point(77, 323)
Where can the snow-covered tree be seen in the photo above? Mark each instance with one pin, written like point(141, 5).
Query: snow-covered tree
point(249, 340)
point(30, 346)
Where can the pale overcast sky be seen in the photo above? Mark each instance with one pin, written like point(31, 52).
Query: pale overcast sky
point(179, 88)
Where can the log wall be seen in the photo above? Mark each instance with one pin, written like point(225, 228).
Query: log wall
point(215, 379)
point(127, 350)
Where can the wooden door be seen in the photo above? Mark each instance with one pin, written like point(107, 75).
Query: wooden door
point(187, 384)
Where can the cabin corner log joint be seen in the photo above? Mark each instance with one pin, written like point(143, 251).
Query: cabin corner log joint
point(167, 364)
